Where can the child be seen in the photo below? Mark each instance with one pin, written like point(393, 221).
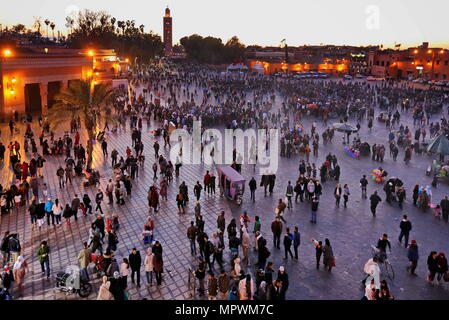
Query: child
point(437, 211)
point(115, 223)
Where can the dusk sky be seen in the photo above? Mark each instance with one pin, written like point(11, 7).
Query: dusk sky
point(264, 22)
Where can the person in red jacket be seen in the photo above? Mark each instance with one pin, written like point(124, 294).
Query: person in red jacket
point(207, 181)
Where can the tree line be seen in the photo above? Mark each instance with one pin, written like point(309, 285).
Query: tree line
point(212, 50)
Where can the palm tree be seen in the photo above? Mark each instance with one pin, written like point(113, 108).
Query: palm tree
point(52, 26)
point(47, 22)
point(90, 103)
point(69, 25)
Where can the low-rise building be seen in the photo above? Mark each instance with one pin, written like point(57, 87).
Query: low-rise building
point(31, 77)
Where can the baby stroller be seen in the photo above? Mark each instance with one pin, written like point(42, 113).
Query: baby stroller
point(99, 264)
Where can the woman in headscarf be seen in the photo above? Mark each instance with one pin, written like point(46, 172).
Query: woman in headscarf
point(148, 263)
point(104, 293)
point(246, 288)
point(20, 269)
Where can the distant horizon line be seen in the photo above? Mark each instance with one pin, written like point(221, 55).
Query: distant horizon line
point(442, 45)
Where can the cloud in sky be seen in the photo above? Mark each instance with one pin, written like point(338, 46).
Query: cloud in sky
point(266, 22)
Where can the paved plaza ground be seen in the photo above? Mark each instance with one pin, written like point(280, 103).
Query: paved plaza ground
point(351, 231)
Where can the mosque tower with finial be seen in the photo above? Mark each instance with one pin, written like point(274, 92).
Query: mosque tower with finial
point(168, 36)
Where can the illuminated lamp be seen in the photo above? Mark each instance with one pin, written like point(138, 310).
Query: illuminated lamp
point(13, 80)
point(416, 51)
point(90, 53)
point(126, 60)
point(46, 50)
point(12, 91)
point(7, 53)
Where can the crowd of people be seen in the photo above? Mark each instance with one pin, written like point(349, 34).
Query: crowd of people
point(193, 92)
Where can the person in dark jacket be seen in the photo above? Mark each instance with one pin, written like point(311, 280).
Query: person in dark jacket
point(406, 227)
point(276, 228)
point(288, 239)
point(117, 287)
point(98, 199)
point(296, 241)
point(135, 262)
point(87, 203)
point(252, 188)
point(444, 204)
point(212, 286)
point(75, 206)
point(262, 254)
point(413, 256)
point(283, 278)
point(4, 248)
point(374, 199)
point(442, 265)
point(432, 266)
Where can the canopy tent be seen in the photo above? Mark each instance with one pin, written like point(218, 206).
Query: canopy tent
point(258, 68)
point(237, 67)
point(344, 127)
point(439, 145)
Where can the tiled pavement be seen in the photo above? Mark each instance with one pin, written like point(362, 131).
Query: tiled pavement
point(351, 230)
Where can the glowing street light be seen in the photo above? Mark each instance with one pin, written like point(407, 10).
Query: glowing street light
point(90, 53)
point(7, 53)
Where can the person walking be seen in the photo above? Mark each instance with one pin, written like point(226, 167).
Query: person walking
point(328, 255)
point(43, 255)
point(197, 190)
point(296, 241)
point(246, 288)
point(148, 263)
point(200, 274)
point(288, 239)
point(413, 257)
point(60, 174)
point(283, 279)
point(406, 227)
point(337, 195)
point(252, 188)
point(84, 258)
point(212, 286)
point(104, 148)
point(314, 209)
point(75, 206)
point(432, 266)
point(289, 195)
point(363, 185)
point(135, 262)
point(103, 292)
point(374, 200)
point(98, 199)
point(192, 233)
point(346, 194)
point(245, 245)
point(442, 266)
point(223, 285)
point(276, 228)
point(20, 269)
point(444, 204)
